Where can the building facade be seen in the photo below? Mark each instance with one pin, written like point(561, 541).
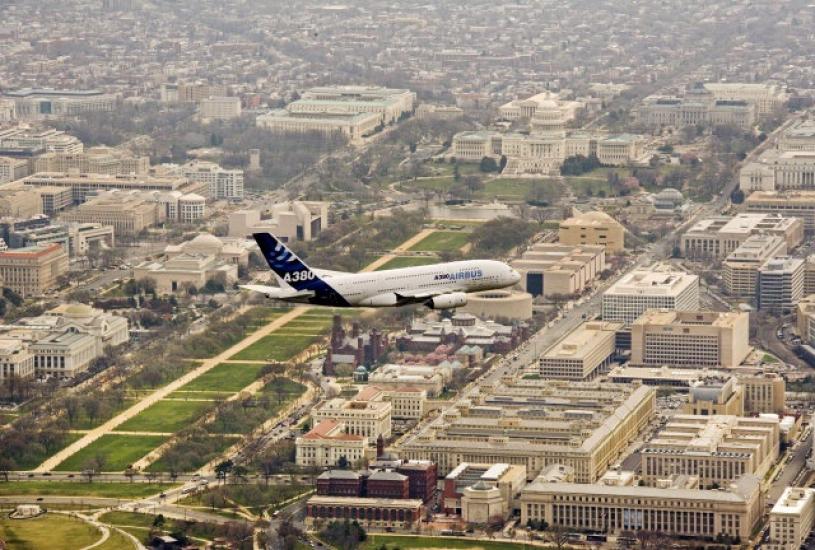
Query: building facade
point(593, 228)
point(31, 271)
point(690, 338)
point(583, 353)
point(659, 287)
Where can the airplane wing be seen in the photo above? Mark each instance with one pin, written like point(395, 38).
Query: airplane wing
point(278, 292)
point(420, 295)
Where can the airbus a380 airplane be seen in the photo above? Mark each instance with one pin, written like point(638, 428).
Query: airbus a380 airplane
point(438, 286)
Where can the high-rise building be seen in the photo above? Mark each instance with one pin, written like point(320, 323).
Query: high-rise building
point(220, 108)
point(740, 269)
point(780, 283)
point(222, 183)
point(659, 287)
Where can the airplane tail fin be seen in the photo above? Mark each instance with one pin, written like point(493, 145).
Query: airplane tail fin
point(287, 267)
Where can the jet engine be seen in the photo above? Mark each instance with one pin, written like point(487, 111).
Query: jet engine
point(447, 301)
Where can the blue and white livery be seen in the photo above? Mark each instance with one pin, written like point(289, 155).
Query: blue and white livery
point(438, 286)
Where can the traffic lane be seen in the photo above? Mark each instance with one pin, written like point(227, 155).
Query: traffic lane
point(102, 502)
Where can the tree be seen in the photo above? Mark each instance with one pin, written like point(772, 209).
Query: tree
point(130, 473)
point(456, 172)
point(488, 164)
point(72, 406)
point(342, 463)
point(344, 535)
point(158, 521)
point(473, 184)
point(558, 536)
point(223, 469)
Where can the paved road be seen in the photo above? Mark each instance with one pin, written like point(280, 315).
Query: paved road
point(790, 473)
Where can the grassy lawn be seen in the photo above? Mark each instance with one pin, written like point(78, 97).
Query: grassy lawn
point(166, 416)
point(81, 488)
point(441, 240)
point(119, 451)
point(139, 525)
point(586, 186)
point(408, 261)
point(275, 348)
point(51, 531)
point(390, 541)
point(255, 496)
point(227, 377)
point(376, 541)
point(116, 541)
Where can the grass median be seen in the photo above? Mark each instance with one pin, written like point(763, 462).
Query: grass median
point(82, 488)
point(226, 377)
point(442, 240)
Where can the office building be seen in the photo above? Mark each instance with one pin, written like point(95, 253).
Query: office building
point(716, 238)
point(764, 392)
point(690, 338)
point(766, 98)
point(675, 512)
point(583, 353)
point(800, 136)
point(593, 228)
point(791, 519)
point(698, 106)
point(805, 319)
point(779, 170)
point(219, 108)
point(16, 359)
point(96, 160)
point(428, 378)
point(740, 268)
point(31, 271)
point(22, 141)
point(680, 379)
point(384, 513)
point(717, 449)
point(658, 287)
point(798, 204)
point(128, 214)
point(369, 419)
point(290, 221)
point(551, 269)
point(12, 169)
point(536, 423)
point(326, 443)
point(713, 395)
point(780, 283)
point(354, 127)
point(19, 201)
point(84, 185)
point(43, 103)
point(221, 182)
point(190, 92)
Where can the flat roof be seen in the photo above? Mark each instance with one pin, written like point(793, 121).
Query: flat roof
point(654, 282)
point(794, 500)
point(582, 340)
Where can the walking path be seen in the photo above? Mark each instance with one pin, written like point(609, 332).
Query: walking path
point(404, 247)
point(165, 391)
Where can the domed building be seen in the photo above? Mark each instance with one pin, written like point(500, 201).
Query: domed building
point(668, 199)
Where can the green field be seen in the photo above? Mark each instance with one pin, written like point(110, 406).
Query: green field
point(374, 542)
point(116, 541)
point(589, 186)
point(275, 348)
point(408, 261)
point(166, 416)
point(256, 497)
point(51, 531)
point(226, 377)
point(139, 525)
point(118, 452)
point(441, 240)
point(81, 488)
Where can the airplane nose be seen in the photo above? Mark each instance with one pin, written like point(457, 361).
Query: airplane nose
point(516, 277)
